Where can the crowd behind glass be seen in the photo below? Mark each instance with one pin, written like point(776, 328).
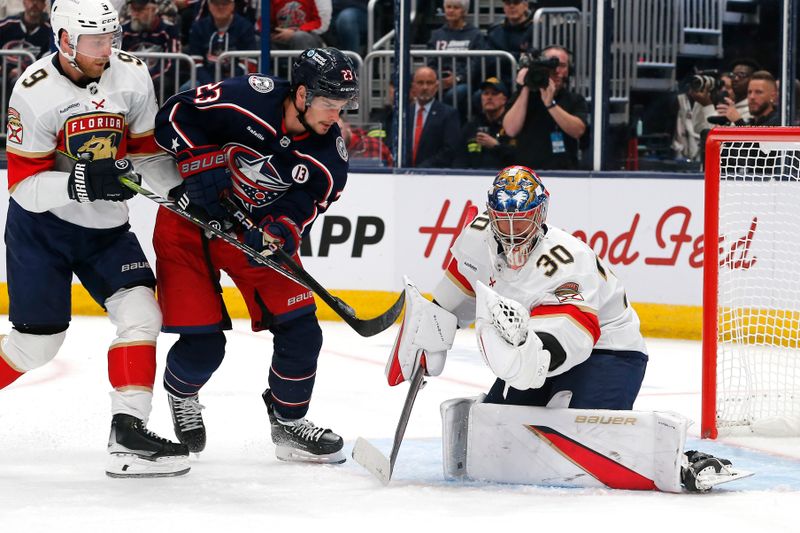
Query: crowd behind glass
point(460, 116)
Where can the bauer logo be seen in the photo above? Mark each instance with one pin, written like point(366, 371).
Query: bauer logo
point(139, 265)
point(300, 298)
point(606, 420)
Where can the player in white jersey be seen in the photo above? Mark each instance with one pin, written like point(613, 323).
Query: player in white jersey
point(77, 120)
point(556, 328)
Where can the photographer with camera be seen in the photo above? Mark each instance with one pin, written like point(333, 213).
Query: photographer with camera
point(702, 86)
point(547, 119)
point(716, 105)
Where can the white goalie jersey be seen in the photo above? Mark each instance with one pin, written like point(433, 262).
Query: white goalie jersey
point(52, 122)
point(576, 303)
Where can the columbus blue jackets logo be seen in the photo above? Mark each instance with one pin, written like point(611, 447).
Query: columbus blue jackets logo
point(256, 182)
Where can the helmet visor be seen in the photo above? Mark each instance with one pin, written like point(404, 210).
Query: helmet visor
point(326, 102)
point(99, 45)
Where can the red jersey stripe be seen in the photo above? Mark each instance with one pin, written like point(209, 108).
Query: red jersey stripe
point(458, 279)
point(143, 144)
point(584, 319)
point(21, 167)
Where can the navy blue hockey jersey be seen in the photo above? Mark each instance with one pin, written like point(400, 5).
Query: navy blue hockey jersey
point(298, 176)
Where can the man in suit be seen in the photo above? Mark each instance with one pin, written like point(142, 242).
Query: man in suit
point(433, 127)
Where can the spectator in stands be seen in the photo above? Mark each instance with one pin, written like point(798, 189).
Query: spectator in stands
point(762, 94)
point(513, 34)
point(299, 24)
point(548, 123)
point(457, 35)
point(146, 31)
point(742, 70)
point(350, 24)
point(223, 31)
point(430, 125)
point(484, 143)
point(365, 145)
point(166, 10)
point(10, 7)
point(29, 31)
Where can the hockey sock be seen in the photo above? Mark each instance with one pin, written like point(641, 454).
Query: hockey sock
point(132, 365)
point(191, 362)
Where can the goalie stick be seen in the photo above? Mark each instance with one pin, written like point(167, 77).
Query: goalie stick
point(285, 265)
point(368, 456)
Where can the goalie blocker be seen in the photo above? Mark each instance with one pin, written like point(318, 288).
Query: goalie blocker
point(591, 448)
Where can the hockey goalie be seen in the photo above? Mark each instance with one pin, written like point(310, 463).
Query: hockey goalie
point(556, 328)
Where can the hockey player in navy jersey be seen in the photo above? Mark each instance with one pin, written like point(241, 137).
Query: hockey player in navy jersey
point(75, 119)
point(555, 326)
point(275, 148)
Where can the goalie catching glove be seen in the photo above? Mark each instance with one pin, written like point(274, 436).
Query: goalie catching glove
point(513, 351)
point(425, 336)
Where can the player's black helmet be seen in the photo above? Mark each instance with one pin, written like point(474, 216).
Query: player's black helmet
point(326, 72)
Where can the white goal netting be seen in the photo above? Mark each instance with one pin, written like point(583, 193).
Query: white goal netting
point(758, 310)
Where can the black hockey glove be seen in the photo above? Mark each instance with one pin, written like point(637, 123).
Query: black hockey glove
point(206, 178)
point(281, 232)
point(99, 180)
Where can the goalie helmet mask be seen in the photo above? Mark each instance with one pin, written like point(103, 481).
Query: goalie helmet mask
point(328, 73)
point(87, 19)
point(517, 210)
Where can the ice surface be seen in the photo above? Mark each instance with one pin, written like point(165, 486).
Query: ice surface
point(54, 424)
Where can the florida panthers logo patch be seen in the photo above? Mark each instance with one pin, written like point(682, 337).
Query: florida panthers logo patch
point(256, 182)
point(569, 292)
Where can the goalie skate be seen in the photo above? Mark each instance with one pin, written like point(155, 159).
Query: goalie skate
point(300, 440)
point(704, 471)
point(188, 422)
point(135, 451)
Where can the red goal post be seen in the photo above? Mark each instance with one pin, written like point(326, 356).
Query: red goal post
point(751, 282)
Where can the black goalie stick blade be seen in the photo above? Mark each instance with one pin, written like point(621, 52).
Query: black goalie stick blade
point(365, 328)
point(282, 263)
point(368, 456)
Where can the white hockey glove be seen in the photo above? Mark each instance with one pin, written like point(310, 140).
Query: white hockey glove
point(425, 336)
point(507, 341)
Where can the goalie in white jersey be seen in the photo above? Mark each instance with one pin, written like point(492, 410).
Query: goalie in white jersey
point(74, 118)
point(556, 328)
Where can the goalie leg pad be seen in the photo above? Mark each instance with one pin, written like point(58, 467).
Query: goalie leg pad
point(427, 332)
point(455, 418)
point(574, 447)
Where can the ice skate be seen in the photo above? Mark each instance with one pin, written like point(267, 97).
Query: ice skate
point(135, 451)
point(300, 440)
point(704, 471)
point(188, 422)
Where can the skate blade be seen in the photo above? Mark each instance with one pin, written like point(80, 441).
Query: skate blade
point(711, 480)
point(132, 466)
point(372, 459)
point(285, 453)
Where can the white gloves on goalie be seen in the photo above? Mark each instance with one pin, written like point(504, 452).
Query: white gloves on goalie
point(425, 336)
point(507, 341)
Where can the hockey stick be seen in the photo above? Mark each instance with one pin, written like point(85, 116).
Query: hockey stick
point(287, 267)
point(368, 456)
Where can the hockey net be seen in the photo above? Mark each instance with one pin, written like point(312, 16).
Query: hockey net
point(751, 294)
